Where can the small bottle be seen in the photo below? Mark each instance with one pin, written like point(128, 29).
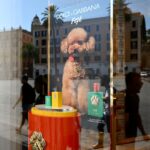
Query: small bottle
point(96, 87)
point(95, 101)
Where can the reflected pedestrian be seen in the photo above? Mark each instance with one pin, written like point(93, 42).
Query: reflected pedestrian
point(27, 97)
point(132, 115)
point(105, 120)
point(41, 88)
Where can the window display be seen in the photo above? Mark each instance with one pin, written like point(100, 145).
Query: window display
point(79, 35)
point(87, 62)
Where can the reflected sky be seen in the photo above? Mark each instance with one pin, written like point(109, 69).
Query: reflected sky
point(17, 13)
point(84, 8)
point(141, 6)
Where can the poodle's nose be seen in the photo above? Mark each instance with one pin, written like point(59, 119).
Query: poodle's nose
point(80, 42)
point(76, 55)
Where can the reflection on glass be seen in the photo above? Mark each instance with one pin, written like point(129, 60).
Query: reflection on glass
point(133, 117)
point(131, 69)
point(82, 49)
point(105, 116)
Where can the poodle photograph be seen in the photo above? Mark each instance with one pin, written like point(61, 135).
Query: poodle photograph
point(75, 86)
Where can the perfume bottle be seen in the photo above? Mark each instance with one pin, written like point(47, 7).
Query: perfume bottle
point(95, 101)
point(56, 99)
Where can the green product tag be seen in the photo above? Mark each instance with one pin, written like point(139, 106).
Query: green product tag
point(95, 104)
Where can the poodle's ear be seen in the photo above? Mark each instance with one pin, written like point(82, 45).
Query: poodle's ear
point(90, 44)
point(64, 45)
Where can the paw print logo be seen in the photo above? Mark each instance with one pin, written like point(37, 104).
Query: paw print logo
point(94, 100)
point(37, 141)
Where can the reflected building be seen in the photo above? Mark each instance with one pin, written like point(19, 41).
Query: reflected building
point(39, 34)
point(96, 62)
point(11, 43)
point(133, 40)
point(145, 63)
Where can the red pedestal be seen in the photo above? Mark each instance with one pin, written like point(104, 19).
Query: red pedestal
point(60, 133)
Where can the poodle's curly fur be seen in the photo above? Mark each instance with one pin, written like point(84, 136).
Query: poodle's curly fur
point(74, 85)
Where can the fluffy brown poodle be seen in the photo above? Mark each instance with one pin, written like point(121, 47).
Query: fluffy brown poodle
point(74, 85)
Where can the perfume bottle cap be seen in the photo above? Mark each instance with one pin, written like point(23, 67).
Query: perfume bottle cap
point(96, 87)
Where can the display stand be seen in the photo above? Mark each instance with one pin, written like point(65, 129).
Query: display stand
point(58, 128)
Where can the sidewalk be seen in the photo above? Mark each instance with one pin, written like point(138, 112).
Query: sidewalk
point(89, 137)
point(9, 140)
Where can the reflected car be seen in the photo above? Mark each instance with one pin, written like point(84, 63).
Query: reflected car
point(144, 74)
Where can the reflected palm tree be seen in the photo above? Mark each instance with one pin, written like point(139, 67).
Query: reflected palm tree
point(29, 53)
point(121, 6)
point(56, 20)
point(121, 15)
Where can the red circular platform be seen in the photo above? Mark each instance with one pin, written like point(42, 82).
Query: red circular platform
point(59, 132)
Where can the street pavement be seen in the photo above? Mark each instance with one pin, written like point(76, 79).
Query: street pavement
point(10, 119)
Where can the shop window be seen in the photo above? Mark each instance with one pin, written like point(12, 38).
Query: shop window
point(134, 35)
point(37, 72)
point(65, 31)
point(98, 47)
point(44, 51)
point(97, 58)
point(133, 23)
point(52, 60)
point(51, 50)
point(37, 34)
point(44, 60)
point(57, 32)
point(97, 28)
point(134, 45)
point(44, 33)
point(108, 36)
point(58, 59)
point(58, 41)
point(97, 37)
point(87, 28)
point(107, 59)
point(43, 42)
point(108, 46)
point(36, 42)
point(57, 50)
point(133, 56)
point(51, 41)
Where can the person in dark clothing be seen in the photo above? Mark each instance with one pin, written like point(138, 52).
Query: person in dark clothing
point(41, 88)
point(132, 115)
point(27, 97)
